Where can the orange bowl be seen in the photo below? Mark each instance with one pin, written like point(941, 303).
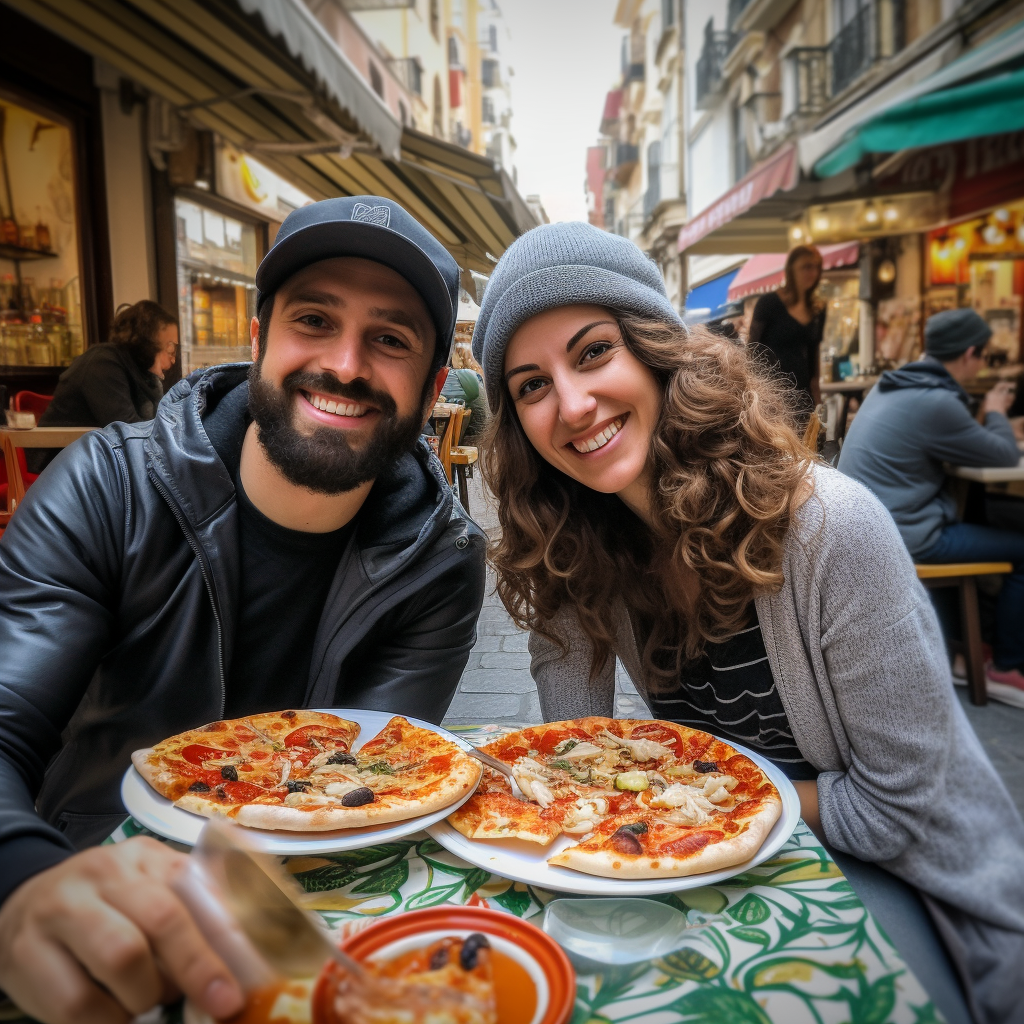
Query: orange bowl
point(529, 956)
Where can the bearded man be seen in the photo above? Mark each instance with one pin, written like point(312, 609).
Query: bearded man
point(277, 537)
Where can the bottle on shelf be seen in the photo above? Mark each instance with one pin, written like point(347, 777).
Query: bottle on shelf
point(9, 232)
point(43, 239)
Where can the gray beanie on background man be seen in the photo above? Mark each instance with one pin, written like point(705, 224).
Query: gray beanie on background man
point(952, 332)
point(556, 265)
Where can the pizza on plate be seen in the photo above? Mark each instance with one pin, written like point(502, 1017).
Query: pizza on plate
point(646, 799)
point(296, 771)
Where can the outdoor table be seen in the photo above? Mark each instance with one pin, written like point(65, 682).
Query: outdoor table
point(853, 387)
point(43, 437)
point(989, 474)
point(788, 942)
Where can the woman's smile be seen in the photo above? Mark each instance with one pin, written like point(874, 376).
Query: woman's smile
point(601, 437)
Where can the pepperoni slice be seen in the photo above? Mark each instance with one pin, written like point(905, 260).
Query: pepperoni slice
point(552, 737)
point(325, 734)
point(197, 753)
point(242, 792)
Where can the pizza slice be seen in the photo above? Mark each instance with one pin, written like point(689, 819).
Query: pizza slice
point(220, 766)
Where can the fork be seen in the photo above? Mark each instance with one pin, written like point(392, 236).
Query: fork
point(498, 766)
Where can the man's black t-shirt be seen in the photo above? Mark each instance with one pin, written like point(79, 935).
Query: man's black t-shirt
point(284, 581)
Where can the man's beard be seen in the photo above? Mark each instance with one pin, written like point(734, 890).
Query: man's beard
point(323, 461)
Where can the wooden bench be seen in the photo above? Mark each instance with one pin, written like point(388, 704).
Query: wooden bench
point(964, 575)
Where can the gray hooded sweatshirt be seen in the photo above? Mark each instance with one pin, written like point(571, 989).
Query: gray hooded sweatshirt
point(914, 420)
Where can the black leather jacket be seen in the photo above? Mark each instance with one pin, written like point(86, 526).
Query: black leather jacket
point(118, 591)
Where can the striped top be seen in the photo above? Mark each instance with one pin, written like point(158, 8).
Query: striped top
point(730, 691)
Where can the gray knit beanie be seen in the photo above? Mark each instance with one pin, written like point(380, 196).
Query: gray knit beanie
point(953, 331)
point(562, 265)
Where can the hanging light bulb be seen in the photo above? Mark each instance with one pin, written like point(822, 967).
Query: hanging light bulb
point(886, 272)
point(890, 213)
point(796, 233)
point(870, 214)
point(820, 223)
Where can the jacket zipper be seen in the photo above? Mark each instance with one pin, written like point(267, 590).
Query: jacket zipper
point(197, 548)
point(373, 592)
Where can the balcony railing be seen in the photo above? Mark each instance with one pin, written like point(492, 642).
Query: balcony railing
point(409, 72)
point(806, 82)
point(814, 74)
point(709, 65)
point(736, 8)
point(626, 154)
point(878, 30)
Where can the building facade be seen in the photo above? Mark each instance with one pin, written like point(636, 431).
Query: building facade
point(779, 96)
point(635, 175)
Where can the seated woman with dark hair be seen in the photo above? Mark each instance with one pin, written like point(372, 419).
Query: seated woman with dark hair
point(117, 381)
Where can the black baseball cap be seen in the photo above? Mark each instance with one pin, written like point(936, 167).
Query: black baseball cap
point(375, 229)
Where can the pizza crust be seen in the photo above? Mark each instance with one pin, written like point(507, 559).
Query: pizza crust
point(714, 857)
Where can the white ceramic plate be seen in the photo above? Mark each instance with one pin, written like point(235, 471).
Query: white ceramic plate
point(527, 862)
point(159, 815)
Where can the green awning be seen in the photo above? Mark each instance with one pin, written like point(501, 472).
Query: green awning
point(988, 107)
point(980, 93)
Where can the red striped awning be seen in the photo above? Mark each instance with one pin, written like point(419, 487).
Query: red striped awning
point(780, 171)
point(766, 271)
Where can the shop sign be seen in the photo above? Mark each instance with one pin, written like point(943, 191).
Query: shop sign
point(247, 182)
point(976, 174)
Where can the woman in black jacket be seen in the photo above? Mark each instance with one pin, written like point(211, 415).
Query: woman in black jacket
point(787, 327)
point(119, 380)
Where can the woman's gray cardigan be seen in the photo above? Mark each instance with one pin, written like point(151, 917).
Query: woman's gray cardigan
point(861, 667)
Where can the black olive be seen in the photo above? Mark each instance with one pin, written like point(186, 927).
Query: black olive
point(199, 787)
point(297, 785)
point(439, 958)
point(638, 828)
point(287, 714)
point(624, 841)
point(471, 946)
point(220, 793)
point(341, 758)
point(705, 766)
point(358, 797)
point(229, 772)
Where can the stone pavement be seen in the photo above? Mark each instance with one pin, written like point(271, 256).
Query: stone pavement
point(497, 686)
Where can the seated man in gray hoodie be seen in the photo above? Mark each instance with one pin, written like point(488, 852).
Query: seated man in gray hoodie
point(918, 418)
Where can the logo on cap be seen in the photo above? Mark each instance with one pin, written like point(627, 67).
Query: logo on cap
point(379, 215)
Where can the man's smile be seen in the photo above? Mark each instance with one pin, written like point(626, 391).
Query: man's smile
point(337, 408)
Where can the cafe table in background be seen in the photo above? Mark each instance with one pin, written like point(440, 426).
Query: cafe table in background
point(788, 942)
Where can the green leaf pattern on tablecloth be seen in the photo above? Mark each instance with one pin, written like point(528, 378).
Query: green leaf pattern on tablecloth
point(788, 942)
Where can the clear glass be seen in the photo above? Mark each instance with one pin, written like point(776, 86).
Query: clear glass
point(216, 285)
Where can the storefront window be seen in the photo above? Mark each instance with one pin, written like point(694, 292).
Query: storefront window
point(40, 292)
point(980, 263)
point(216, 288)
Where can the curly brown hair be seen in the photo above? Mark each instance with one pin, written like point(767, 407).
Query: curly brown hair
point(135, 328)
point(729, 471)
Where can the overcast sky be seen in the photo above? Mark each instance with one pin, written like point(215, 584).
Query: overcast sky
point(566, 57)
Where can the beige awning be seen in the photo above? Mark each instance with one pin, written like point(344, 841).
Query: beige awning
point(264, 75)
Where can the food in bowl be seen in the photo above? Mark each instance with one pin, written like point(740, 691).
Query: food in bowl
point(450, 979)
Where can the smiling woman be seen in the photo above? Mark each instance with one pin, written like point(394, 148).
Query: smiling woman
point(657, 506)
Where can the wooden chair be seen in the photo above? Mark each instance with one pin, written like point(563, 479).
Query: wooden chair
point(461, 457)
point(449, 439)
point(964, 575)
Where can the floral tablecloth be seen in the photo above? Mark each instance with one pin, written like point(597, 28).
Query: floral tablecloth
point(788, 942)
